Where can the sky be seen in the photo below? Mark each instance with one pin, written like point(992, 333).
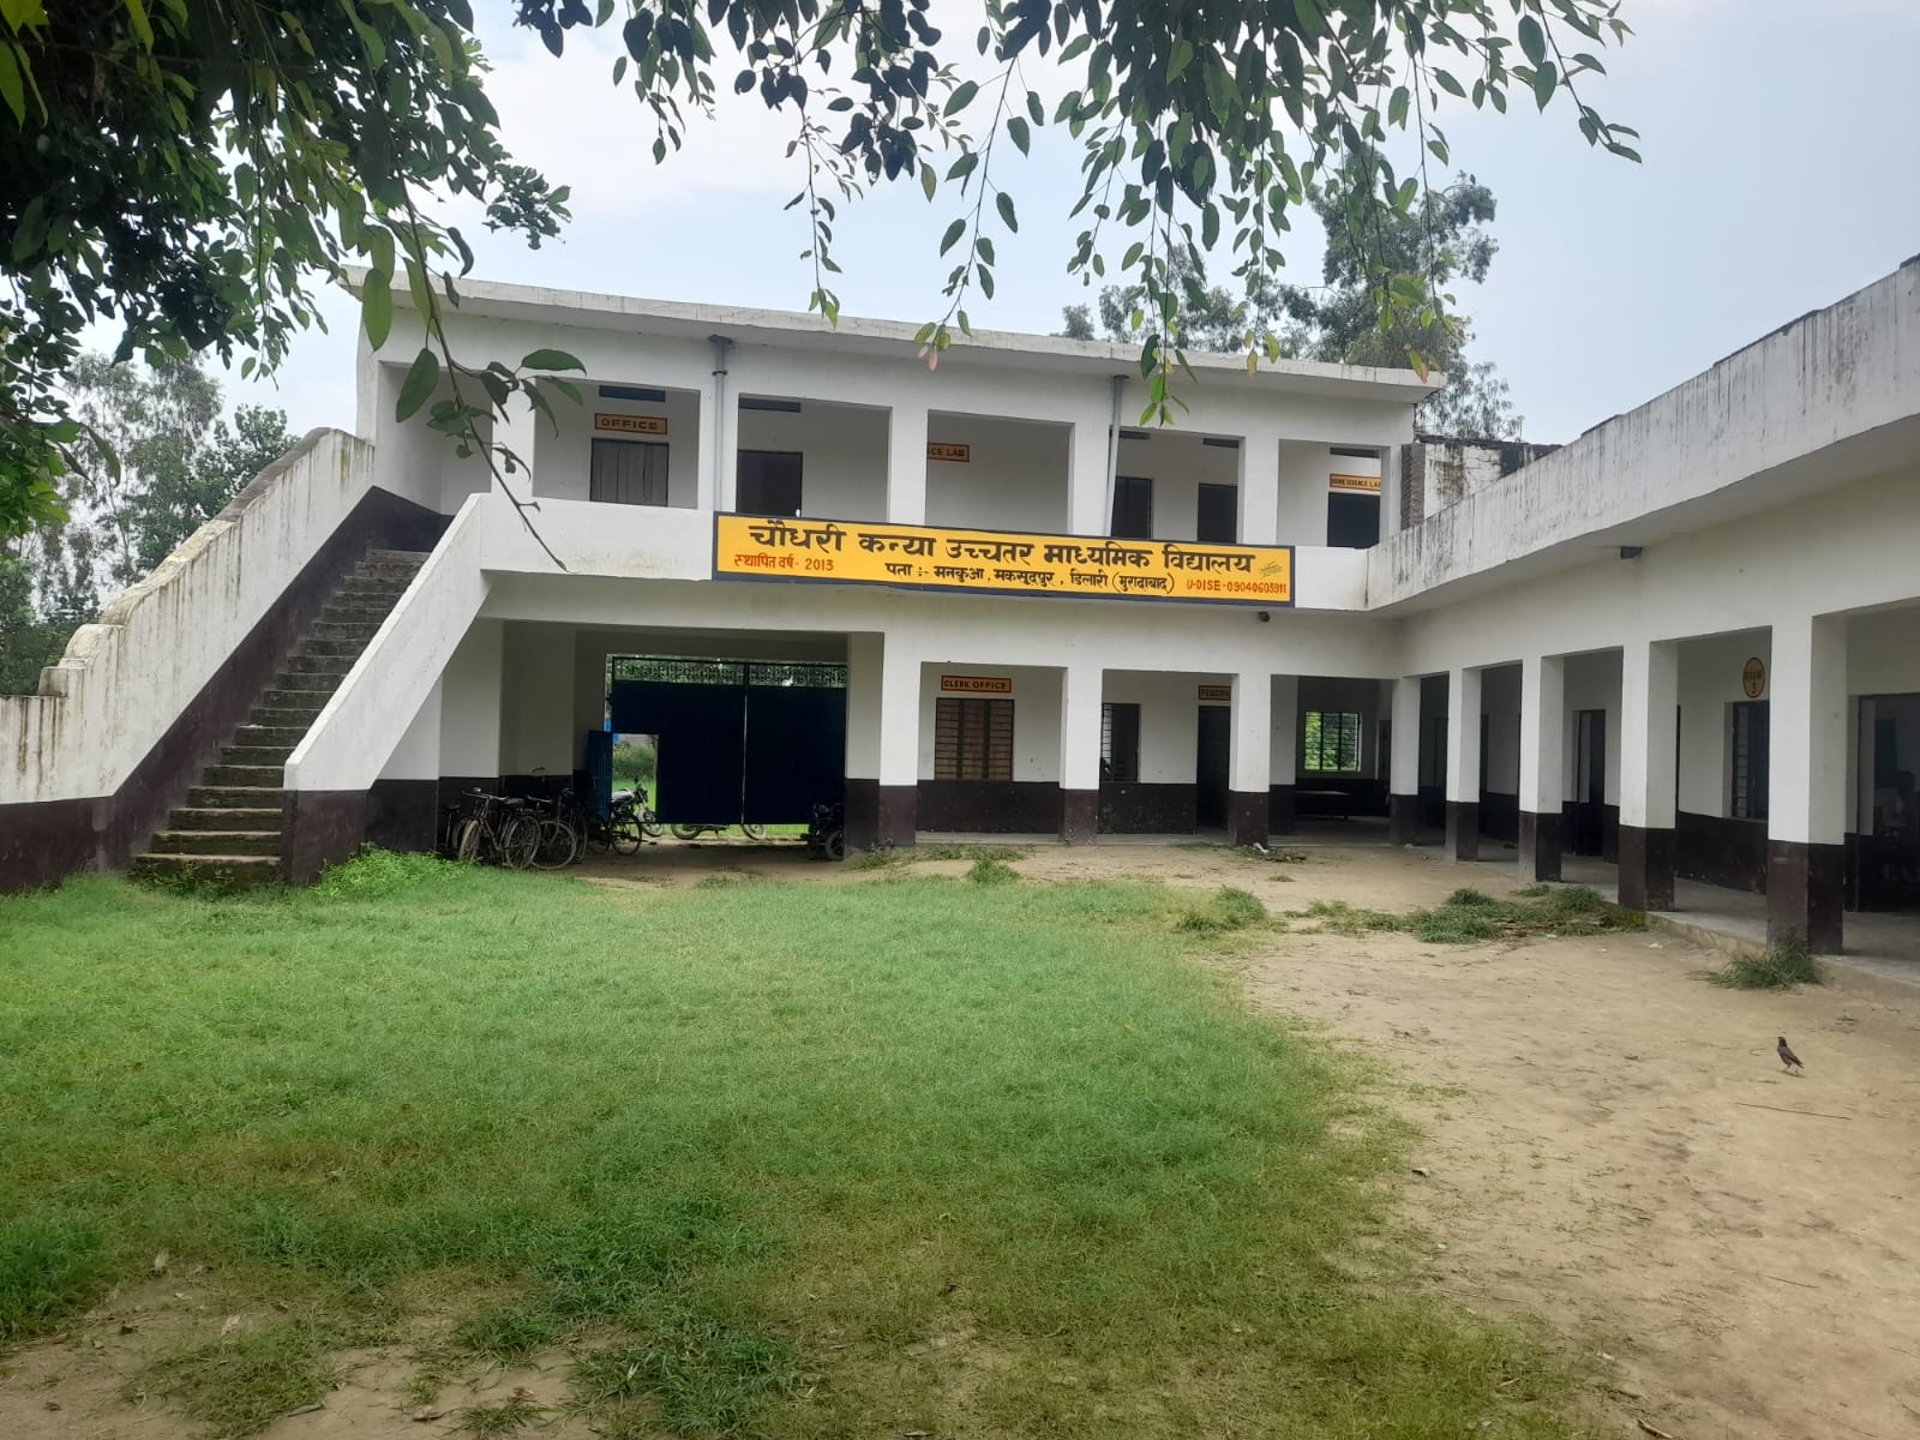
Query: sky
point(1780, 174)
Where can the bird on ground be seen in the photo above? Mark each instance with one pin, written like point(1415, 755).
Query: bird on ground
point(1787, 1057)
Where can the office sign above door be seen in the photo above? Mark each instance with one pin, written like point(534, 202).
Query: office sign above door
point(630, 424)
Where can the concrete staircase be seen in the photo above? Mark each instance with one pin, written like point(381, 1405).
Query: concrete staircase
point(229, 830)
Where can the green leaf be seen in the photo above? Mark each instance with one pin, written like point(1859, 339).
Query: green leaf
point(12, 87)
point(1533, 39)
point(1545, 78)
point(1017, 128)
point(376, 308)
point(1397, 106)
point(1181, 58)
point(961, 97)
point(952, 237)
point(1003, 202)
point(423, 378)
point(927, 181)
point(550, 360)
point(142, 26)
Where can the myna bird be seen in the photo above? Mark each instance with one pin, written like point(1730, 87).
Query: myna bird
point(1787, 1057)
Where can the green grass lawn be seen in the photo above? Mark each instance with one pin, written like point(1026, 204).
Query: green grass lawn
point(910, 1154)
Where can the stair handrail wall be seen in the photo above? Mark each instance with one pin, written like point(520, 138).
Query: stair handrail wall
point(363, 723)
point(126, 678)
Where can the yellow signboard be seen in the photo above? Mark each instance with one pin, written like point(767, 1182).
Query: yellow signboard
point(1217, 694)
point(631, 424)
point(976, 685)
point(1367, 483)
point(949, 450)
point(855, 552)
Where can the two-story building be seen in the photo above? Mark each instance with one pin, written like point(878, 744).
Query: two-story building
point(975, 597)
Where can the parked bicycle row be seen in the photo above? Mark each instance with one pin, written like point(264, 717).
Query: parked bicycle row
point(536, 832)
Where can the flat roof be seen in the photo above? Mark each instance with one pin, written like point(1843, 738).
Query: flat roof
point(858, 335)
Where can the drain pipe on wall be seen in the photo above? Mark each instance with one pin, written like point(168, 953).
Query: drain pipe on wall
point(721, 345)
point(1113, 453)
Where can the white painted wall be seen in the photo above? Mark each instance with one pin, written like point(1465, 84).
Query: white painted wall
point(537, 686)
point(1710, 671)
point(1169, 720)
point(470, 703)
point(126, 679)
point(843, 473)
point(1178, 463)
point(1036, 716)
point(563, 460)
point(1015, 478)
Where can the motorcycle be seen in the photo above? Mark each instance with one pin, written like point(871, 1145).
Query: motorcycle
point(827, 833)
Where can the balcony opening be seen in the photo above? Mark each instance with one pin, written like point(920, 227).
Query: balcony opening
point(810, 458)
point(1177, 485)
point(989, 473)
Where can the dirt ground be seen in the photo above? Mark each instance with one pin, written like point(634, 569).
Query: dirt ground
point(1611, 1146)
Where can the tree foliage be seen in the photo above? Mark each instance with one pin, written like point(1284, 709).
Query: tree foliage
point(192, 170)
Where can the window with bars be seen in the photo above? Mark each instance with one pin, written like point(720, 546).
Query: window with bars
point(1332, 742)
point(1119, 742)
point(1750, 754)
point(628, 472)
point(972, 739)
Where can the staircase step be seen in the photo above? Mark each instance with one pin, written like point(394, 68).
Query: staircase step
point(269, 734)
point(270, 718)
point(317, 646)
point(335, 630)
point(215, 796)
point(250, 755)
point(323, 665)
point(222, 817)
point(294, 697)
point(336, 613)
point(216, 842)
point(415, 558)
point(382, 593)
point(256, 777)
point(216, 869)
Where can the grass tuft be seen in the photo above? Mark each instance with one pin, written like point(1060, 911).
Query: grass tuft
point(375, 874)
point(49, 1269)
point(706, 1378)
point(240, 1384)
point(1227, 909)
point(989, 871)
point(1783, 964)
point(1470, 916)
point(508, 1417)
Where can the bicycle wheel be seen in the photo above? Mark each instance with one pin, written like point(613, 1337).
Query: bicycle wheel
point(558, 844)
point(625, 832)
point(754, 832)
point(517, 842)
point(688, 832)
point(467, 836)
point(650, 825)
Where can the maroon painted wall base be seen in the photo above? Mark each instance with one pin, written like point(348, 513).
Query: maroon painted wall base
point(1646, 868)
point(897, 815)
point(319, 828)
point(1079, 816)
point(403, 814)
point(1280, 809)
point(1403, 819)
point(1806, 889)
point(1463, 829)
point(1247, 817)
point(862, 814)
point(1539, 846)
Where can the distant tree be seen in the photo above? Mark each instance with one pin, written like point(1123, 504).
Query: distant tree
point(178, 496)
point(1208, 317)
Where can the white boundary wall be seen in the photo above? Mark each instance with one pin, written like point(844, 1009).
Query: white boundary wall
point(126, 679)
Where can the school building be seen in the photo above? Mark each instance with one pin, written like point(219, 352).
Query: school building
point(974, 598)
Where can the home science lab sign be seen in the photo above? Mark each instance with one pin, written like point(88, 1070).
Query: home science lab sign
point(850, 552)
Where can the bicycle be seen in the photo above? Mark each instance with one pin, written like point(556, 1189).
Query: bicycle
point(694, 832)
point(562, 835)
point(496, 828)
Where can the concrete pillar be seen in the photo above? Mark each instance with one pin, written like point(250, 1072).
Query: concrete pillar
point(1463, 763)
point(1649, 703)
point(520, 430)
point(403, 806)
point(707, 441)
point(1807, 781)
point(1087, 462)
point(1389, 490)
point(1403, 771)
point(470, 704)
point(1543, 755)
point(1284, 754)
point(1080, 692)
point(865, 656)
point(907, 465)
point(898, 807)
point(1260, 489)
point(1250, 751)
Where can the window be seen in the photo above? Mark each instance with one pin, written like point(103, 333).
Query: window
point(1132, 507)
point(1332, 742)
point(1353, 521)
point(1119, 742)
point(1750, 759)
point(972, 739)
point(628, 472)
point(769, 482)
point(1217, 522)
